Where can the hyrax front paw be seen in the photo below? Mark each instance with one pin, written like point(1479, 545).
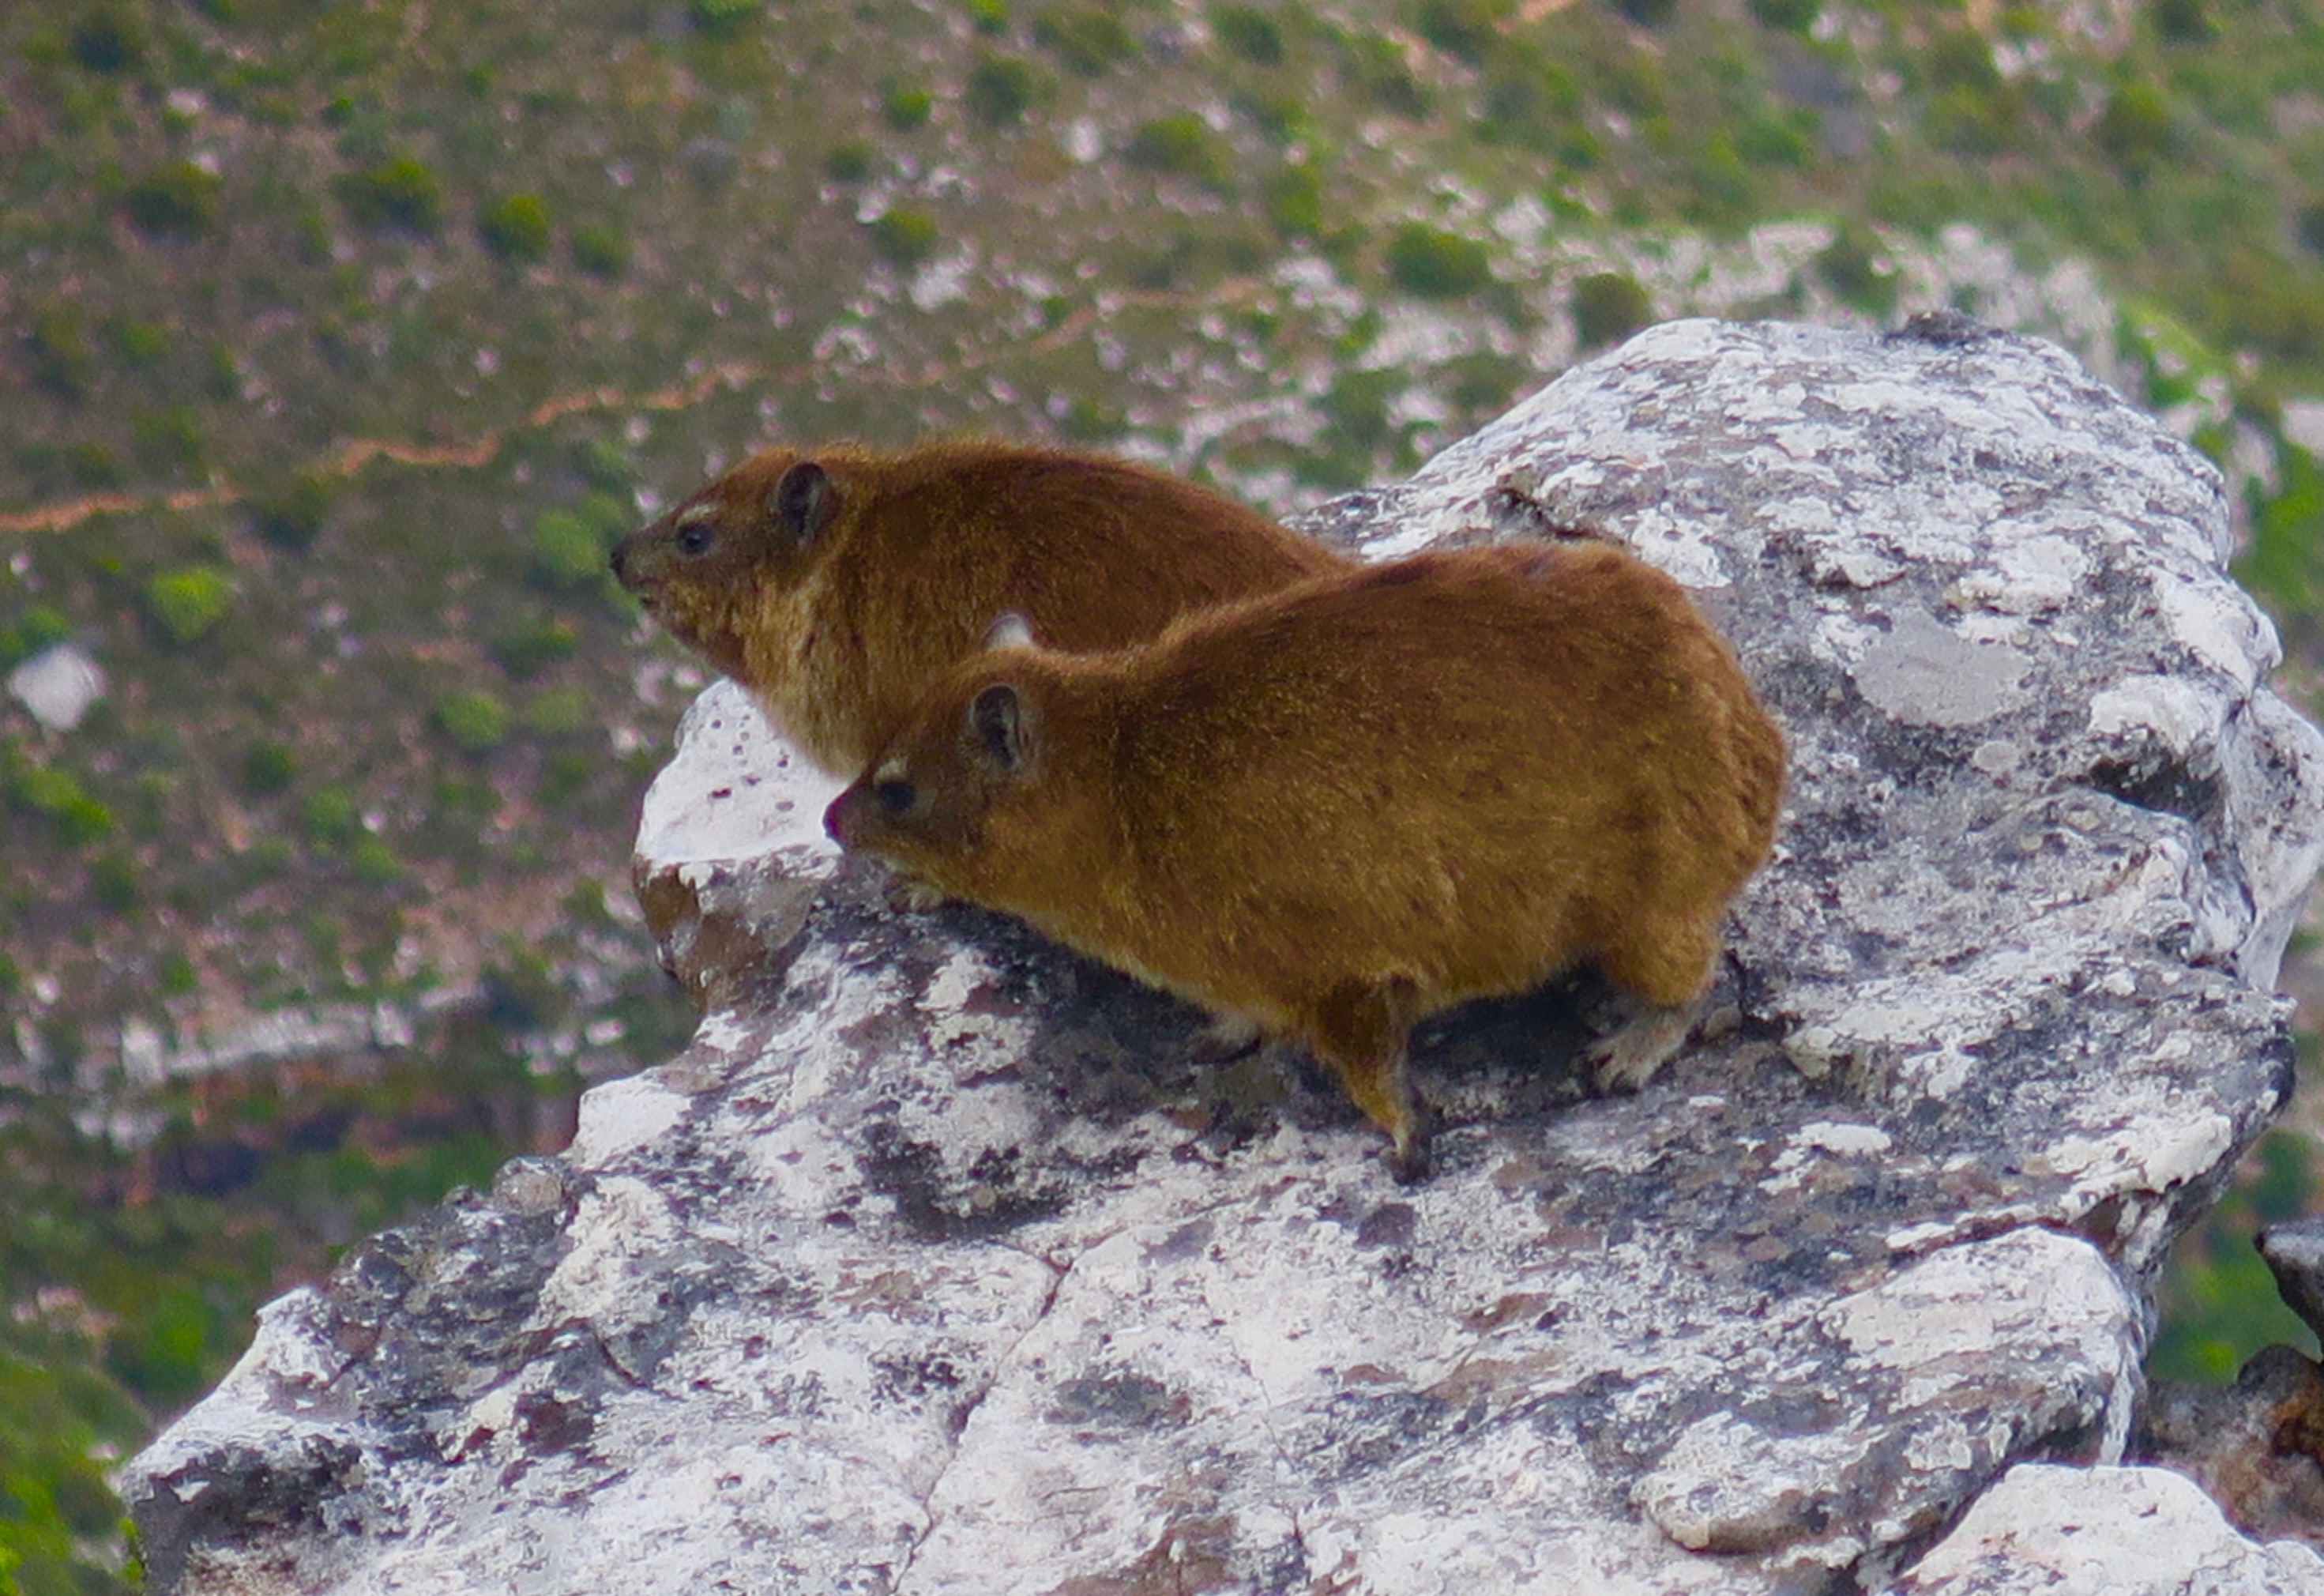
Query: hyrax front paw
point(1627, 1058)
point(907, 894)
point(1227, 1037)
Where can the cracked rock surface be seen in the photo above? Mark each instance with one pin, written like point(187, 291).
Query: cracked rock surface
point(937, 1263)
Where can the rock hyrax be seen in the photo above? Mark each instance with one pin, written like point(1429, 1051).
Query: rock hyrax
point(838, 584)
point(1329, 811)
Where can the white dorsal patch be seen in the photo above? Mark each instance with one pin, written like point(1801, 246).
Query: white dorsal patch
point(1010, 630)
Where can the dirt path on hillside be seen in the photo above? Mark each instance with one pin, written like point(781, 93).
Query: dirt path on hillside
point(350, 458)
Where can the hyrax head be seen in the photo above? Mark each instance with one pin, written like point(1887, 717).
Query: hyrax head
point(702, 569)
point(937, 801)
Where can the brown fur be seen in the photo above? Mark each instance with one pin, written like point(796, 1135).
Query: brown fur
point(838, 584)
point(1333, 811)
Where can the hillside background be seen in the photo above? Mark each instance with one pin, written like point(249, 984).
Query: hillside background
point(338, 342)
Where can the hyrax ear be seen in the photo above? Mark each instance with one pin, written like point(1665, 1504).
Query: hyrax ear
point(1000, 728)
point(802, 502)
point(1010, 630)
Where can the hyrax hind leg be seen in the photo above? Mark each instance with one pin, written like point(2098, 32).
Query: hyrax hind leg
point(1661, 968)
point(1360, 1029)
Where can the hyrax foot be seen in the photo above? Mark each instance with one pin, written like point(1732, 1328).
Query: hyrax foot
point(1227, 1037)
point(1411, 1155)
point(1359, 1031)
point(908, 894)
point(1626, 1058)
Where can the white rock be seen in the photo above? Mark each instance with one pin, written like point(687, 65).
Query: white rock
point(2048, 1530)
point(58, 685)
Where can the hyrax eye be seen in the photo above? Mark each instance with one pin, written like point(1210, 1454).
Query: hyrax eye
point(696, 537)
point(896, 797)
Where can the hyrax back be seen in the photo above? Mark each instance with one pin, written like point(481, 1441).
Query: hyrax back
point(838, 584)
point(1335, 809)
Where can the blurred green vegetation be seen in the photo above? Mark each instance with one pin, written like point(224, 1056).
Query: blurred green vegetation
point(383, 331)
point(2218, 1302)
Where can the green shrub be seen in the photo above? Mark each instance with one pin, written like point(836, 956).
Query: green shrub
point(601, 248)
point(473, 719)
point(175, 199)
point(1533, 104)
point(267, 769)
point(2184, 22)
point(373, 861)
point(1091, 422)
point(333, 817)
point(2133, 131)
point(567, 549)
point(1785, 140)
point(849, 162)
point(904, 107)
point(1433, 265)
point(1089, 38)
point(905, 237)
point(531, 647)
point(95, 466)
point(1182, 146)
point(169, 438)
point(163, 1348)
point(1959, 58)
point(1376, 69)
point(2309, 223)
point(190, 601)
point(1786, 16)
point(399, 192)
point(1483, 382)
point(141, 343)
point(1295, 201)
point(723, 19)
point(107, 40)
point(559, 712)
point(516, 227)
point(1848, 268)
point(1000, 90)
point(39, 627)
point(1467, 29)
point(1720, 189)
point(59, 344)
point(113, 881)
point(1608, 306)
point(566, 775)
point(608, 516)
point(1283, 116)
point(1357, 406)
point(1971, 122)
point(290, 512)
point(2283, 560)
point(1250, 33)
point(2217, 1301)
point(46, 791)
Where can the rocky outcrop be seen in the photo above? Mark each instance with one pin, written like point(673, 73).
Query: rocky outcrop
point(936, 1264)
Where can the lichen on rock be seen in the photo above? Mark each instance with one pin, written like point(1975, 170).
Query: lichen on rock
point(938, 1263)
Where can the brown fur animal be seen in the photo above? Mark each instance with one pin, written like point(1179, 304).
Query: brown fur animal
point(1331, 811)
point(838, 584)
